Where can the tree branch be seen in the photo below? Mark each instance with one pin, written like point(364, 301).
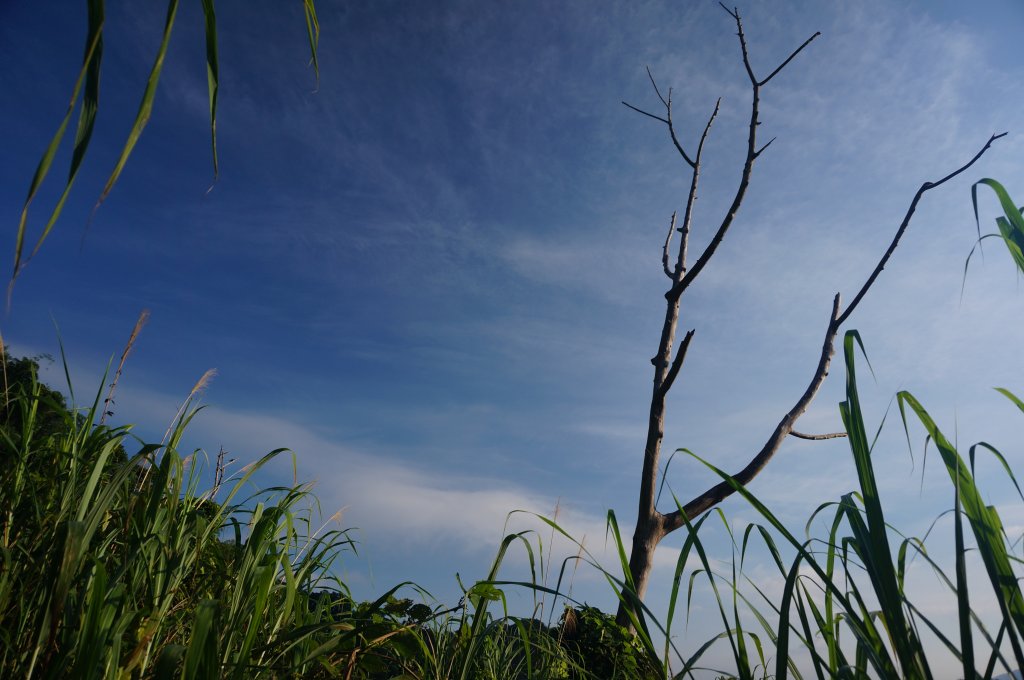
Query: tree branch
point(672, 133)
point(748, 165)
point(650, 115)
point(816, 437)
point(691, 198)
point(761, 150)
point(927, 186)
point(665, 251)
point(650, 76)
point(677, 363)
point(668, 117)
point(735, 14)
point(789, 59)
point(723, 490)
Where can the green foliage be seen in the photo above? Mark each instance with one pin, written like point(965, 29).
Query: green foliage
point(123, 567)
point(89, 76)
point(21, 390)
point(112, 567)
point(1011, 224)
point(602, 648)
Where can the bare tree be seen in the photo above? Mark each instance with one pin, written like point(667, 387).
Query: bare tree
point(651, 525)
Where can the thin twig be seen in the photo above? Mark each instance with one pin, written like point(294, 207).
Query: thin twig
point(665, 250)
point(816, 437)
point(672, 133)
point(927, 186)
point(667, 120)
point(691, 198)
point(655, 85)
point(677, 363)
point(761, 150)
point(789, 59)
point(627, 104)
point(748, 165)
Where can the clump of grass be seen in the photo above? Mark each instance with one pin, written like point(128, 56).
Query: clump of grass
point(117, 565)
point(845, 604)
point(846, 608)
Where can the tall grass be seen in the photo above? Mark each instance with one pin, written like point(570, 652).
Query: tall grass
point(846, 607)
point(116, 567)
point(124, 566)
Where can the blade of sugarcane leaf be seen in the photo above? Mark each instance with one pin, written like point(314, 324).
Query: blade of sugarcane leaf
point(313, 31)
point(1002, 460)
point(1013, 237)
point(872, 540)
point(985, 524)
point(963, 600)
point(1011, 227)
point(88, 74)
point(86, 120)
point(212, 75)
point(1011, 396)
point(145, 106)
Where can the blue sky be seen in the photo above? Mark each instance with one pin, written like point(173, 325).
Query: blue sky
point(436, 277)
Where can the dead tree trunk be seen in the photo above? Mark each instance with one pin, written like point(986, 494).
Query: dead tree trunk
point(651, 525)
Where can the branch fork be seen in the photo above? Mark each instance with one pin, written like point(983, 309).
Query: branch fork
point(652, 525)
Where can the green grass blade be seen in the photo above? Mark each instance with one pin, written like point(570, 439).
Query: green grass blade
point(313, 32)
point(872, 543)
point(985, 525)
point(782, 645)
point(1011, 396)
point(86, 121)
point(684, 554)
point(201, 658)
point(963, 600)
point(1002, 461)
point(212, 75)
point(145, 106)
point(89, 73)
point(1011, 227)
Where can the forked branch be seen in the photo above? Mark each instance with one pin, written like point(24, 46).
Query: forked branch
point(748, 164)
point(651, 525)
point(723, 490)
point(667, 120)
point(677, 364)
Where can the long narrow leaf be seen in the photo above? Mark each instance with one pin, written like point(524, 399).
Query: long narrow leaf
point(985, 525)
point(212, 75)
point(88, 73)
point(145, 106)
